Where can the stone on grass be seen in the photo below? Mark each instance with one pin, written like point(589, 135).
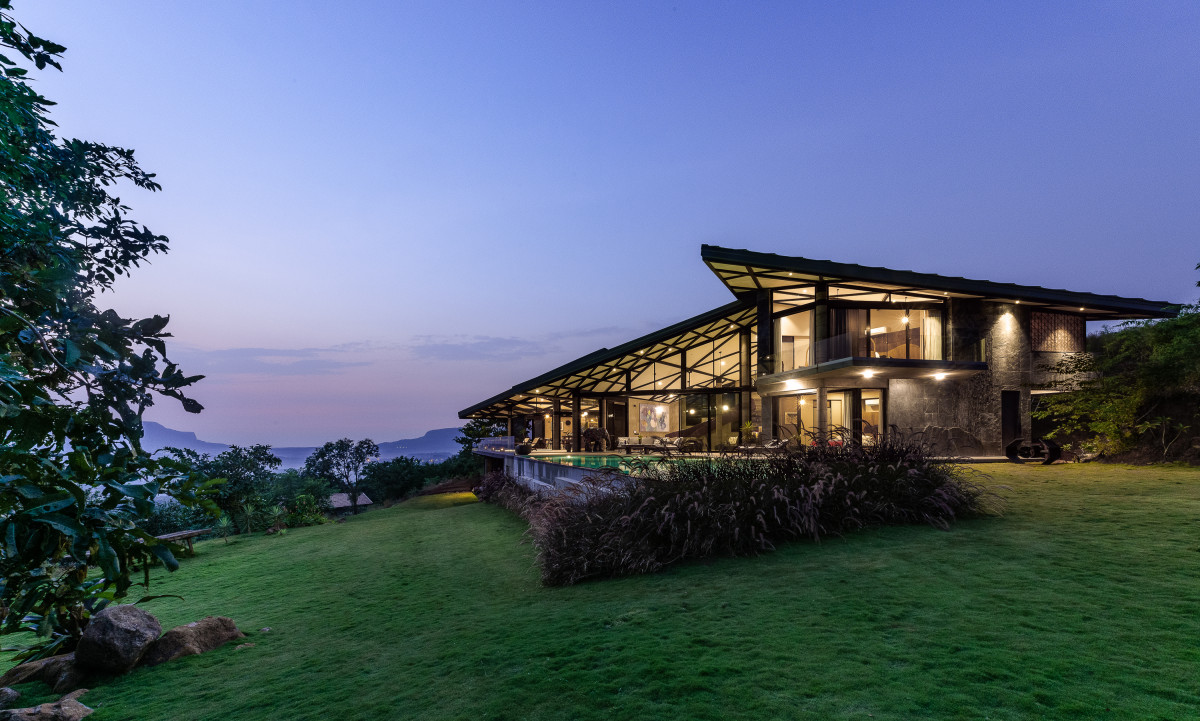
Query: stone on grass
point(116, 638)
point(58, 672)
point(66, 708)
point(8, 696)
point(196, 637)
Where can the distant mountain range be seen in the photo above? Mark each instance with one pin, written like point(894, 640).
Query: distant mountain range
point(435, 445)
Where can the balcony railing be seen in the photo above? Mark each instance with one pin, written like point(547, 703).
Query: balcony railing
point(497, 443)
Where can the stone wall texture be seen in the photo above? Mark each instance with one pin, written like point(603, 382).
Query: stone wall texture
point(972, 403)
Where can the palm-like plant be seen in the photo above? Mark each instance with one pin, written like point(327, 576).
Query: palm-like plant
point(224, 527)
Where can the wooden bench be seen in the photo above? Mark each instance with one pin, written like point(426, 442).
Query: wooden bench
point(184, 537)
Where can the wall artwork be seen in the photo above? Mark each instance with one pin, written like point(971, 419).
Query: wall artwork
point(652, 418)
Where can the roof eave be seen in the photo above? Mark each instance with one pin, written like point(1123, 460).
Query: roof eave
point(1113, 307)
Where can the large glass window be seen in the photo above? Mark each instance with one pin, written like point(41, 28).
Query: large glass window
point(872, 416)
point(727, 412)
point(794, 341)
point(884, 333)
point(901, 333)
point(797, 417)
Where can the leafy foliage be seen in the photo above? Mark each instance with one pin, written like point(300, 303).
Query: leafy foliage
point(401, 477)
point(615, 525)
point(244, 474)
point(475, 431)
point(287, 486)
point(74, 379)
point(393, 479)
point(1137, 392)
point(306, 510)
point(341, 463)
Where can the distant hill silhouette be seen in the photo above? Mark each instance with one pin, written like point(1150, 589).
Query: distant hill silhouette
point(435, 445)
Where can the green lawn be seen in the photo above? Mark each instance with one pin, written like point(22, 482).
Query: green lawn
point(1083, 601)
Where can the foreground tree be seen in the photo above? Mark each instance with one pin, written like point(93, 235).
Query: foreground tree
point(342, 464)
point(74, 379)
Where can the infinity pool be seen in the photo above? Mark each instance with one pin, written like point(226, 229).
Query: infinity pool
point(612, 461)
point(623, 463)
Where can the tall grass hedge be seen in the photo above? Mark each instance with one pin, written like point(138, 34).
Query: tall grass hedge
point(617, 525)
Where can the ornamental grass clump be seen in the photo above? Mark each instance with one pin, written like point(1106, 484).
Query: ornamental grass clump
point(613, 525)
point(499, 488)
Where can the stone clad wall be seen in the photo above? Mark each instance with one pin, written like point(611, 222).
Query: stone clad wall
point(964, 414)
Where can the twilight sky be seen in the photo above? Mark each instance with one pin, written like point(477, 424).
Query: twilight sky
point(382, 212)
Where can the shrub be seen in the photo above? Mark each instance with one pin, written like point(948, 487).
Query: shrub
point(393, 479)
point(305, 511)
point(499, 488)
point(614, 525)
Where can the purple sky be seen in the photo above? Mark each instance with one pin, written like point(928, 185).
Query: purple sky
point(383, 212)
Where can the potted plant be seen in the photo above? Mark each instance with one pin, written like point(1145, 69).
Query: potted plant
point(748, 433)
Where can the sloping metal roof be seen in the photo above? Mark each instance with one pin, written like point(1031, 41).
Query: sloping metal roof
point(745, 271)
point(608, 368)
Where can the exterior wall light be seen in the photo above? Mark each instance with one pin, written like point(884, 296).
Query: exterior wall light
point(939, 376)
point(904, 320)
point(868, 373)
point(691, 411)
point(724, 408)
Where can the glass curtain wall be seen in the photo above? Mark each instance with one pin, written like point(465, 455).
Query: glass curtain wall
point(710, 421)
point(794, 341)
point(847, 329)
point(727, 412)
point(885, 333)
point(872, 416)
point(797, 417)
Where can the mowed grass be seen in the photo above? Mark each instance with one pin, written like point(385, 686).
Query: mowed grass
point(1082, 601)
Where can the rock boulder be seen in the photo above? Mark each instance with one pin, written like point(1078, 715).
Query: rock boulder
point(58, 672)
point(66, 708)
point(8, 697)
point(196, 637)
point(116, 638)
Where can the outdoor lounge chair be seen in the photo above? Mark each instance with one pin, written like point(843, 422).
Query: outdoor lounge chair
point(774, 445)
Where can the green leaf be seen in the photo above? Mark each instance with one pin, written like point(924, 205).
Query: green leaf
point(70, 352)
point(59, 502)
point(63, 524)
point(107, 558)
point(164, 554)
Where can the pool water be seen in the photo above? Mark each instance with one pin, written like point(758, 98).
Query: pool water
point(620, 462)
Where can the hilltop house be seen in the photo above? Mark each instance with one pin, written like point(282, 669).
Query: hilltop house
point(813, 348)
